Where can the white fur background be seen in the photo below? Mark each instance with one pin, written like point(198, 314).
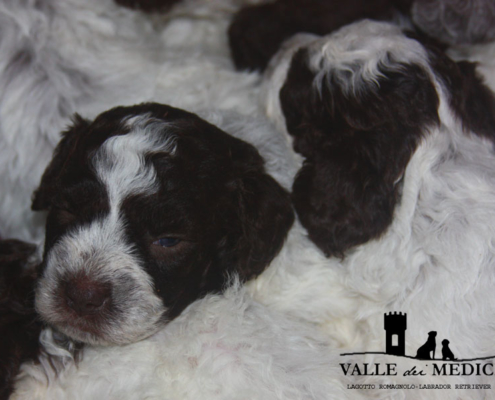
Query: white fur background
point(280, 336)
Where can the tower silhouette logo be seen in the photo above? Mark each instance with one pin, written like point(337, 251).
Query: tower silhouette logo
point(395, 326)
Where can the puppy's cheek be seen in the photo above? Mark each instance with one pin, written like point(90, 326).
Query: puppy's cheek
point(178, 283)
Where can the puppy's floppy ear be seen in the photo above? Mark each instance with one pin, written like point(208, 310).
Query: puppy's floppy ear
point(266, 213)
point(262, 211)
point(471, 100)
point(478, 105)
point(42, 197)
point(357, 141)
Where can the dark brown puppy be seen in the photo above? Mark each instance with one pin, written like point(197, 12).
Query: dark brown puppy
point(357, 104)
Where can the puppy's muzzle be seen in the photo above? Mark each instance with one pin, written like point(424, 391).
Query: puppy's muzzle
point(87, 296)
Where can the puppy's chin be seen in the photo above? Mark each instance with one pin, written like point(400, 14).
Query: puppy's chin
point(117, 322)
point(98, 330)
point(90, 334)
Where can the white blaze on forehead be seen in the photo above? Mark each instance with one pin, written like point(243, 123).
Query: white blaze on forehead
point(101, 250)
point(120, 162)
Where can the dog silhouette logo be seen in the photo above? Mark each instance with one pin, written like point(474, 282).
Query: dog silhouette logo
point(427, 351)
point(446, 352)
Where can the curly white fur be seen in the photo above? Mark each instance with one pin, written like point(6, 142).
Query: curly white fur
point(222, 347)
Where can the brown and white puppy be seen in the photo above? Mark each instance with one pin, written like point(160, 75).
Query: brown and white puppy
point(356, 105)
point(150, 208)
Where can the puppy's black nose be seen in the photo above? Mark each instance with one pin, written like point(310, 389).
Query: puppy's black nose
point(87, 296)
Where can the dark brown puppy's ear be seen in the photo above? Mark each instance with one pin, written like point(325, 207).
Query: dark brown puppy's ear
point(43, 196)
point(357, 142)
point(266, 215)
point(471, 100)
point(478, 107)
point(262, 215)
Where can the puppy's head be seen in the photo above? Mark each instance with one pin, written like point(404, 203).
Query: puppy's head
point(150, 208)
point(356, 104)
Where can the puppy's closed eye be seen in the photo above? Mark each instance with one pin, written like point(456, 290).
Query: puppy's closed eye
point(167, 242)
point(169, 248)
